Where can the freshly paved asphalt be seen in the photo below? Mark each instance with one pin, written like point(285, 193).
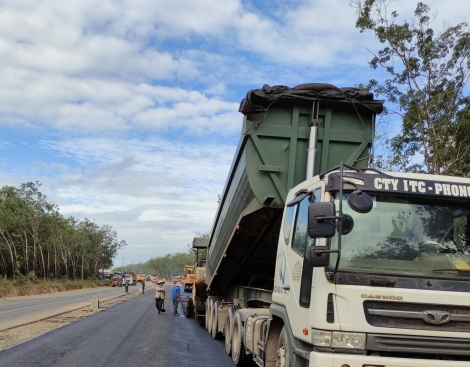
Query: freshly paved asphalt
point(128, 334)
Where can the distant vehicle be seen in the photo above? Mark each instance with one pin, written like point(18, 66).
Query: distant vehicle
point(149, 277)
point(154, 278)
point(130, 278)
point(105, 274)
point(116, 280)
point(140, 277)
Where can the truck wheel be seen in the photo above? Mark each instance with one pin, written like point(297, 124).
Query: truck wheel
point(113, 285)
point(239, 356)
point(228, 327)
point(201, 320)
point(215, 320)
point(189, 309)
point(283, 349)
point(208, 314)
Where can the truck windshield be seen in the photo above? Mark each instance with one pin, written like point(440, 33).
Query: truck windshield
point(404, 234)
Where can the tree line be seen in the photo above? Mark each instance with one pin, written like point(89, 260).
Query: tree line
point(169, 265)
point(36, 241)
point(164, 266)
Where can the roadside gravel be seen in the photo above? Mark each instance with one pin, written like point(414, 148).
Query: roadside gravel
point(20, 334)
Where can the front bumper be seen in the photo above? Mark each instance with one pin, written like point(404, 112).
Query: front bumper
point(351, 360)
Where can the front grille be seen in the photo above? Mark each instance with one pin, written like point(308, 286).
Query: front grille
point(407, 316)
point(417, 344)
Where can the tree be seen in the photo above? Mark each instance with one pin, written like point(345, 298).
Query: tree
point(428, 83)
point(36, 239)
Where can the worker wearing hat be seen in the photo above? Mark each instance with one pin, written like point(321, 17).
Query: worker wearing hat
point(160, 296)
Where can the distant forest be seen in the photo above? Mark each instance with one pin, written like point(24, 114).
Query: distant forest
point(36, 241)
point(164, 267)
point(169, 265)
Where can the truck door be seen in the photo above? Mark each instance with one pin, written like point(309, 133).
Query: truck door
point(293, 267)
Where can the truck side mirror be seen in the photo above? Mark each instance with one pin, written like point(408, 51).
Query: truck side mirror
point(318, 258)
point(360, 202)
point(347, 224)
point(318, 227)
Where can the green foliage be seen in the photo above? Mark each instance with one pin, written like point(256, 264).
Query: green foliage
point(169, 265)
point(428, 75)
point(37, 242)
point(31, 276)
point(164, 267)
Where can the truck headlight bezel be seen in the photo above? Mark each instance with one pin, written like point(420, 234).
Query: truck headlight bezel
point(321, 338)
point(339, 339)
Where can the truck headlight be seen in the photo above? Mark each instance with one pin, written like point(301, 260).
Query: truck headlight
point(348, 340)
point(337, 339)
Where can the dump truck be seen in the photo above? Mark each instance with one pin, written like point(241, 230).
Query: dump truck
point(315, 259)
point(130, 278)
point(116, 280)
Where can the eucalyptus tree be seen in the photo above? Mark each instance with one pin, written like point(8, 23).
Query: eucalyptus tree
point(36, 240)
point(12, 210)
point(427, 86)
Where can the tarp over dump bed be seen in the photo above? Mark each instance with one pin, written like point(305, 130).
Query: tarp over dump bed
point(258, 100)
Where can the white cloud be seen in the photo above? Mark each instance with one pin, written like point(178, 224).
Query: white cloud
point(100, 106)
point(98, 65)
point(146, 189)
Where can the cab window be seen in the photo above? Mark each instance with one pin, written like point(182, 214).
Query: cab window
point(288, 223)
point(301, 240)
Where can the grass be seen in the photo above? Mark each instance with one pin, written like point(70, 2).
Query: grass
point(22, 287)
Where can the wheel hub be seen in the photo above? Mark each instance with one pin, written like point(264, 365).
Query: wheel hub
point(281, 357)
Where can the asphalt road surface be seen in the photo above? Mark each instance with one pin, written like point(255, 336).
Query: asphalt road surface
point(128, 334)
point(19, 310)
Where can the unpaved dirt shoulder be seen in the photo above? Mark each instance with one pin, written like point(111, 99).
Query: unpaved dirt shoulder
point(20, 334)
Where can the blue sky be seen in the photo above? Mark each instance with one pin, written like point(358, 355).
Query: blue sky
point(126, 111)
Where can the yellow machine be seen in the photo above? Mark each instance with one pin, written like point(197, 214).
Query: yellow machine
point(140, 277)
point(195, 305)
point(188, 278)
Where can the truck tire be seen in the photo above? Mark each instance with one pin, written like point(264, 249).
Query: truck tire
point(208, 314)
point(215, 320)
point(189, 308)
point(239, 356)
point(228, 328)
point(201, 319)
point(283, 349)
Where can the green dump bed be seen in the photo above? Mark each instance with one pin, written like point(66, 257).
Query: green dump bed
point(271, 158)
